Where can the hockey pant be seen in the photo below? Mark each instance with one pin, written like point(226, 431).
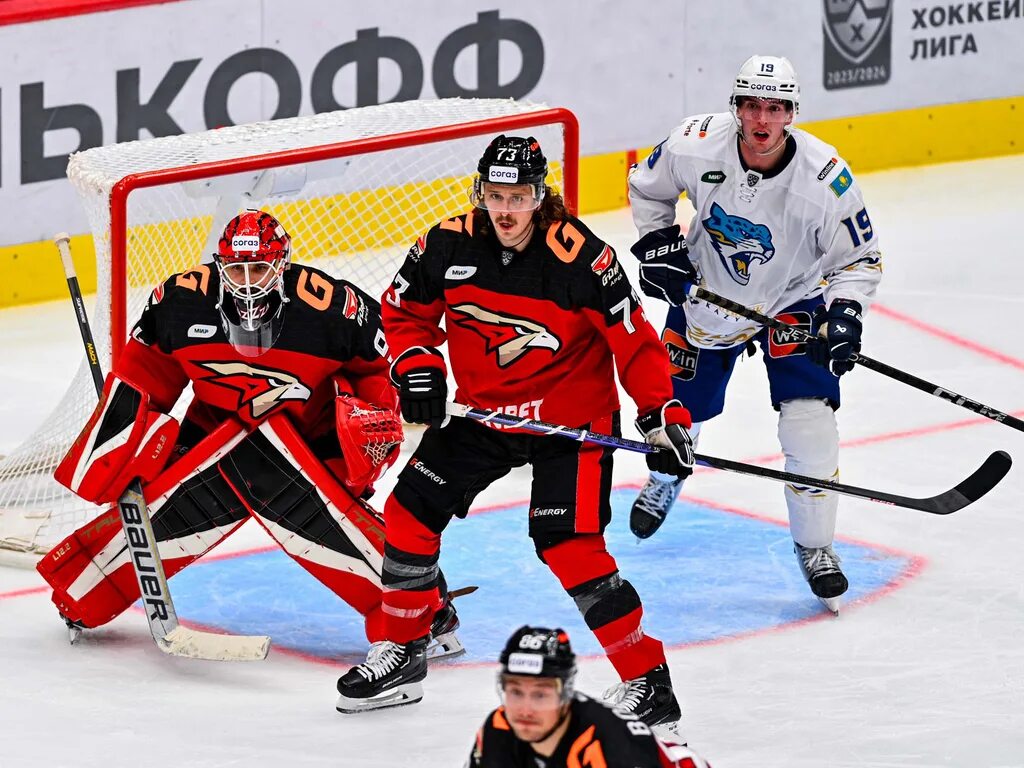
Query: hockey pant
point(569, 509)
point(270, 475)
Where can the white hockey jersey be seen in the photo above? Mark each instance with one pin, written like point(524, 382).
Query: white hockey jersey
point(766, 241)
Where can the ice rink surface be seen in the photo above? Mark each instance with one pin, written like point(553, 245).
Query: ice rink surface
point(924, 668)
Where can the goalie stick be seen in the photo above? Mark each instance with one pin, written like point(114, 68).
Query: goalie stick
point(976, 485)
point(909, 379)
point(170, 636)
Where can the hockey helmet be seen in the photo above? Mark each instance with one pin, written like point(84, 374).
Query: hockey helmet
point(511, 160)
point(766, 77)
point(542, 653)
point(252, 255)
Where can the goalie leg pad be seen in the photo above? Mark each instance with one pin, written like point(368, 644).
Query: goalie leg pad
point(335, 537)
point(810, 441)
point(192, 510)
point(123, 439)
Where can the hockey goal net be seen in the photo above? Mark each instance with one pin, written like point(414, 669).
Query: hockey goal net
point(354, 188)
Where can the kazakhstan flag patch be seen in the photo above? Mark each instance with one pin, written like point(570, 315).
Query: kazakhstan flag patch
point(842, 182)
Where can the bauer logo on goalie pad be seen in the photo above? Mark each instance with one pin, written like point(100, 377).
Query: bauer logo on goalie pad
point(788, 343)
point(525, 664)
point(503, 174)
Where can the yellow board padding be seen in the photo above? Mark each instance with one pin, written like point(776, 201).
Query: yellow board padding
point(938, 134)
point(32, 271)
point(603, 182)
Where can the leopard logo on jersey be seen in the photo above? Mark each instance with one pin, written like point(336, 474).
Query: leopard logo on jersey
point(263, 389)
point(508, 337)
point(739, 242)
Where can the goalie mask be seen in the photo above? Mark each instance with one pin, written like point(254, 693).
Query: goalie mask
point(513, 161)
point(253, 253)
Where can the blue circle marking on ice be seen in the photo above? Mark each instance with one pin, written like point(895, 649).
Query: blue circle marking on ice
point(706, 575)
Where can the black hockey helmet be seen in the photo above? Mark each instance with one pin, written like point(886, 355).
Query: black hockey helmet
point(511, 160)
point(540, 652)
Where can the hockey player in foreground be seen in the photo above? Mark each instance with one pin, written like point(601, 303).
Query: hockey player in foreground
point(537, 311)
point(292, 421)
point(780, 226)
point(544, 721)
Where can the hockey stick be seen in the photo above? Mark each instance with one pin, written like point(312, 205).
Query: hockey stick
point(799, 334)
point(170, 636)
point(980, 482)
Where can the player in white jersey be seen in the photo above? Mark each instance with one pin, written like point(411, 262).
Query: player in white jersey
point(780, 227)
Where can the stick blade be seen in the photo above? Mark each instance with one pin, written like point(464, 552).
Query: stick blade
point(981, 481)
point(209, 646)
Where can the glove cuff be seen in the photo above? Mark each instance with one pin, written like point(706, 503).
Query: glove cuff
point(417, 357)
point(672, 412)
point(847, 309)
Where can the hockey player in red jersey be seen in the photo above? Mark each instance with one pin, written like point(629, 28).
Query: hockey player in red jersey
point(544, 721)
point(539, 316)
point(293, 419)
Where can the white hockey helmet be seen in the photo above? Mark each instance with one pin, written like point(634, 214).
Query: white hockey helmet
point(767, 77)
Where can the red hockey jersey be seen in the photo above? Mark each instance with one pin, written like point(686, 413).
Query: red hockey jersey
point(330, 340)
point(534, 333)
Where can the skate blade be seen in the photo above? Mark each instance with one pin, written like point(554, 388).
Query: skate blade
point(74, 633)
point(669, 732)
point(445, 646)
point(399, 696)
point(832, 603)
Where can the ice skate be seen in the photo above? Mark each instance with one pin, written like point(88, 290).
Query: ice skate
point(390, 677)
point(820, 566)
point(652, 505)
point(650, 699)
point(444, 643)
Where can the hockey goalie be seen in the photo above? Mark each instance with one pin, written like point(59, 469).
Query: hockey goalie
point(293, 420)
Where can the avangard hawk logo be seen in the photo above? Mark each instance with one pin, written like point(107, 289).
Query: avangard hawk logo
point(508, 337)
point(262, 388)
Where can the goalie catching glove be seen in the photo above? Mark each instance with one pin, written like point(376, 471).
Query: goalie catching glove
point(665, 269)
point(370, 437)
point(123, 440)
point(666, 428)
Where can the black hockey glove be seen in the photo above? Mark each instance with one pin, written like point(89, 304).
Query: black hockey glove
point(420, 375)
point(665, 269)
point(839, 329)
point(666, 428)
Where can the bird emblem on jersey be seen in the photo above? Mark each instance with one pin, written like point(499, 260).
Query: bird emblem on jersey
point(262, 389)
point(508, 337)
point(740, 243)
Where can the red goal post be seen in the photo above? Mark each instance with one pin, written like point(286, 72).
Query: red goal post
point(354, 188)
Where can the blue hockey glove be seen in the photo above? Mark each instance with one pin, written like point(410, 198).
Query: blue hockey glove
point(839, 329)
point(665, 269)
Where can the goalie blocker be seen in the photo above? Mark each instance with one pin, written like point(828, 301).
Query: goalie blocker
point(269, 474)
